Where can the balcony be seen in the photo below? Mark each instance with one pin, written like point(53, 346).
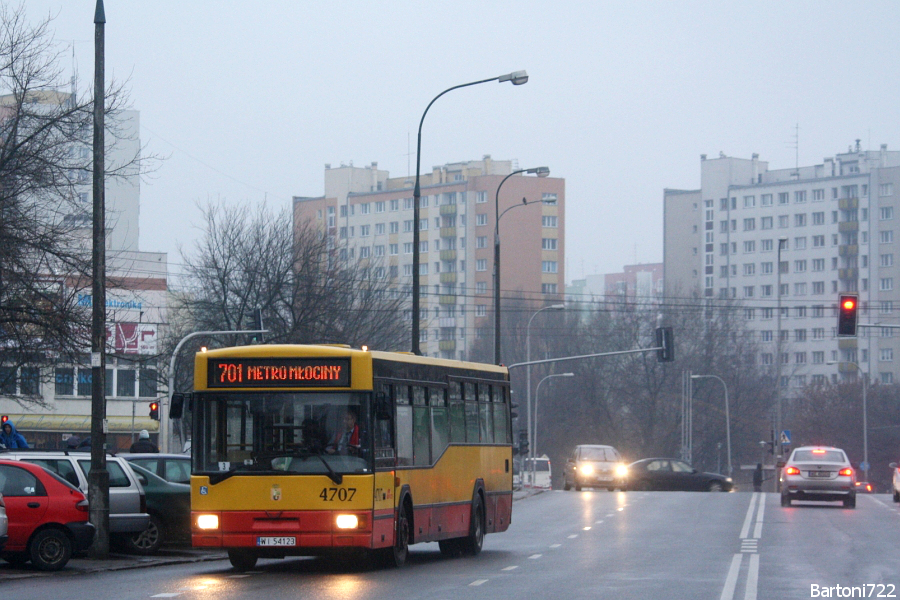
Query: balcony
point(848, 250)
point(848, 226)
point(447, 322)
point(448, 232)
point(848, 203)
point(848, 273)
point(447, 345)
point(845, 343)
point(448, 255)
point(448, 277)
point(448, 209)
point(447, 299)
point(846, 367)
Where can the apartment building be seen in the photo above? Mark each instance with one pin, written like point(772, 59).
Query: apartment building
point(369, 215)
point(818, 230)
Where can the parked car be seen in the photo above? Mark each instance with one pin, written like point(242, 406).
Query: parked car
point(594, 466)
point(127, 502)
point(864, 487)
point(4, 523)
point(171, 467)
point(818, 473)
point(671, 474)
point(48, 516)
point(895, 482)
point(169, 506)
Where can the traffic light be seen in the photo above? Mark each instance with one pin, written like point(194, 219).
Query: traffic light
point(665, 340)
point(4, 419)
point(154, 411)
point(848, 309)
point(258, 325)
point(523, 442)
point(512, 410)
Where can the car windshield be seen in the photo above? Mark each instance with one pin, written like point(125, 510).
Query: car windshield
point(595, 454)
point(539, 465)
point(832, 456)
point(309, 433)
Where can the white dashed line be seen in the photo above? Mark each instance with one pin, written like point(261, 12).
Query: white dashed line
point(478, 582)
point(598, 522)
point(588, 528)
point(534, 556)
point(573, 536)
point(555, 545)
point(510, 568)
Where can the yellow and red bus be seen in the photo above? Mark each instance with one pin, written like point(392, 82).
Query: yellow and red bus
point(304, 449)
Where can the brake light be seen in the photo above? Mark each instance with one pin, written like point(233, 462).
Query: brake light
point(792, 471)
point(869, 487)
point(83, 506)
point(818, 452)
point(846, 472)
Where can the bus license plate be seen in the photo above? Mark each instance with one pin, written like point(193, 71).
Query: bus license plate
point(276, 541)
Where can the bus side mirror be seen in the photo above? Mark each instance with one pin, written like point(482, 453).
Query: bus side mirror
point(382, 407)
point(176, 407)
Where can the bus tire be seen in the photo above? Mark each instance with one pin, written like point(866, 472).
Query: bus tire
point(471, 545)
point(242, 560)
point(396, 555)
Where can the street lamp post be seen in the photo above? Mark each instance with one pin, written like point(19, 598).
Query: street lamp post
point(516, 78)
point(534, 426)
point(865, 385)
point(777, 451)
point(540, 172)
point(528, 367)
point(727, 416)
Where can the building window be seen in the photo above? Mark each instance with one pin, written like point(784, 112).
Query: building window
point(548, 288)
point(749, 246)
point(818, 218)
point(394, 249)
point(800, 196)
point(749, 269)
point(550, 243)
point(408, 226)
point(549, 221)
point(887, 355)
point(749, 224)
point(784, 221)
point(481, 287)
point(481, 219)
point(800, 266)
point(548, 266)
point(766, 223)
point(481, 198)
point(818, 287)
point(886, 189)
point(364, 230)
point(481, 264)
point(480, 310)
point(407, 248)
point(887, 377)
point(379, 228)
point(818, 195)
point(886, 237)
point(886, 213)
point(409, 203)
point(481, 241)
point(800, 220)
point(766, 291)
point(364, 252)
point(799, 289)
point(784, 198)
point(886, 284)
point(379, 251)
point(765, 200)
point(748, 291)
point(749, 201)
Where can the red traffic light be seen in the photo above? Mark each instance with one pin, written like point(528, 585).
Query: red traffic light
point(154, 411)
point(4, 419)
point(849, 304)
point(848, 307)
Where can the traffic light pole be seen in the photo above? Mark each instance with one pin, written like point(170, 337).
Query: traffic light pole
point(164, 405)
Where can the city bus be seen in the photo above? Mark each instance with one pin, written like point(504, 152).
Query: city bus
point(309, 449)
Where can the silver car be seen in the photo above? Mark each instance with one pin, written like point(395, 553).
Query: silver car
point(818, 473)
point(4, 524)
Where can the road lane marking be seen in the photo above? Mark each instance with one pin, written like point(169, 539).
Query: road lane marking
point(748, 545)
point(510, 568)
point(752, 578)
point(731, 579)
point(610, 515)
point(555, 545)
point(573, 536)
point(478, 582)
point(167, 595)
point(588, 528)
point(598, 522)
point(745, 530)
point(239, 576)
point(534, 556)
point(757, 531)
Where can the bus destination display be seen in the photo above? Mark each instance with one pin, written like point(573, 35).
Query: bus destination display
point(278, 372)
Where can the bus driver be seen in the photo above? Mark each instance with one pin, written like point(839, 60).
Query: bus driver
point(347, 440)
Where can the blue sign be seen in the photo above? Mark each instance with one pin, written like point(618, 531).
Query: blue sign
point(786, 437)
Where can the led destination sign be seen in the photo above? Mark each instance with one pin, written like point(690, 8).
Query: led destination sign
point(278, 372)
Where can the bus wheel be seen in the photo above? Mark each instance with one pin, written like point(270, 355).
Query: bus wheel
point(396, 555)
point(242, 560)
point(472, 544)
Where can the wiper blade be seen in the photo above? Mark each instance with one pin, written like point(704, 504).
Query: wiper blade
point(337, 478)
point(216, 477)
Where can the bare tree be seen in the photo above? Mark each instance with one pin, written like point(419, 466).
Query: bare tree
point(249, 260)
point(44, 224)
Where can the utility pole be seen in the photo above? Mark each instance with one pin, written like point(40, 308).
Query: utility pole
point(98, 480)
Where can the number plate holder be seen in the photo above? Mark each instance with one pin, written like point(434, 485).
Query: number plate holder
point(270, 541)
point(820, 473)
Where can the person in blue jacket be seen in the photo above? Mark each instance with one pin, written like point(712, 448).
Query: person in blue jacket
point(11, 438)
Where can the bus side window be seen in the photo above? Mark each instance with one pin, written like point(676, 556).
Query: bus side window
point(404, 435)
point(457, 414)
point(384, 431)
point(501, 416)
point(440, 426)
point(472, 422)
point(421, 435)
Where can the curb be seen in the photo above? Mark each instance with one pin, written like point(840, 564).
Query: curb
point(83, 566)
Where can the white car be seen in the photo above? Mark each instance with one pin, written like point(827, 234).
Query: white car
point(896, 481)
point(4, 523)
point(818, 473)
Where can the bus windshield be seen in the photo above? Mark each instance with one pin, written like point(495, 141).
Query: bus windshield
point(289, 432)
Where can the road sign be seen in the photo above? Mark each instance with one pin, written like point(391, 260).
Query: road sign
point(786, 437)
point(863, 466)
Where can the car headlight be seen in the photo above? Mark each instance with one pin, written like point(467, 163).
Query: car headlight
point(621, 471)
point(587, 469)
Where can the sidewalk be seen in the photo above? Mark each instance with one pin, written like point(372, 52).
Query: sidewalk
point(116, 562)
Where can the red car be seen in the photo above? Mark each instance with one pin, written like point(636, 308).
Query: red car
point(48, 516)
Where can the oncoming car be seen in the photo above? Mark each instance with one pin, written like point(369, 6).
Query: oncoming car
point(818, 473)
point(594, 466)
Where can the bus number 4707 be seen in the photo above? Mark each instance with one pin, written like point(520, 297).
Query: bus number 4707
point(340, 494)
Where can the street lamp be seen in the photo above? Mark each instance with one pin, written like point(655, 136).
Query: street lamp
point(782, 241)
point(727, 415)
point(540, 172)
point(528, 367)
point(534, 426)
point(865, 385)
point(516, 78)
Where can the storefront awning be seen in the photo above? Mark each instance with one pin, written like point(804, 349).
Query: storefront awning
point(81, 424)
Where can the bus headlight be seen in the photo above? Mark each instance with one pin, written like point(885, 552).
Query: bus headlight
point(347, 522)
point(207, 521)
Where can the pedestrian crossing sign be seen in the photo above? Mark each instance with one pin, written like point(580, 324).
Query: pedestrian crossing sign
point(786, 437)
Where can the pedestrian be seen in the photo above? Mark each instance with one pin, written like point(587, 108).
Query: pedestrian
point(143, 445)
point(758, 478)
point(72, 442)
point(11, 438)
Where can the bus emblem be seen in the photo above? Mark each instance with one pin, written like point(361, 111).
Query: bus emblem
point(276, 492)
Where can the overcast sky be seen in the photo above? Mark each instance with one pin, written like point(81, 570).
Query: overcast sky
point(250, 99)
